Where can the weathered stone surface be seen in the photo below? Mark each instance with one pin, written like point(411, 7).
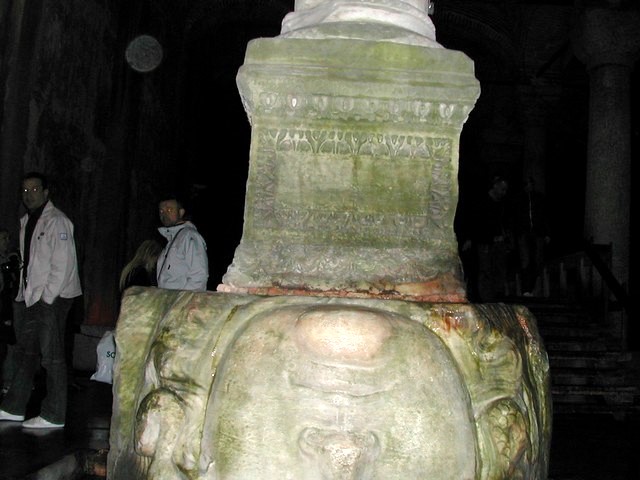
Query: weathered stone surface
point(400, 21)
point(353, 171)
point(304, 365)
point(223, 386)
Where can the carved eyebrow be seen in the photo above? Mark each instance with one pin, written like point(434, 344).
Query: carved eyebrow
point(331, 384)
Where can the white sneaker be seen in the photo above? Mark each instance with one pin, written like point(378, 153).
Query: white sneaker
point(39, 422)
point(10, 417)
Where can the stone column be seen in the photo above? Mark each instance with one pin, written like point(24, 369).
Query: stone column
point(608, 42)
point(356, 115)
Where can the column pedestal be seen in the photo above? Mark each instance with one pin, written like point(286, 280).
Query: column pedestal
point(352, 184)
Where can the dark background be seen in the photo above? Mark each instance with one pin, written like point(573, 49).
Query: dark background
point(113, 139)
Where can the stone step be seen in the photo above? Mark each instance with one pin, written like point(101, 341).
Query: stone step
point(581, 336)
point(620, 393)
point(568, 316)
point(579, 360)
point(588, 378)
point(591, 373)
point(577, 334)
point(618, 400)
point(567, 345)
point(602, 407)
point(578, 325)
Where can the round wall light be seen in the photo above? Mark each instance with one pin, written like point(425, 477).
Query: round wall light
point(144, 53)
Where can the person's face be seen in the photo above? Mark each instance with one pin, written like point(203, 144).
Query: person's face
point(33, 194)
point(500, 189)
point(170, 213)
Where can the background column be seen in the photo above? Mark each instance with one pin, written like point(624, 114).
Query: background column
point(608, 42)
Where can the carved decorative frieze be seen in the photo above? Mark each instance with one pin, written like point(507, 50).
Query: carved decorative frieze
point(311, 182)
point(324, 210)
point(346, 108)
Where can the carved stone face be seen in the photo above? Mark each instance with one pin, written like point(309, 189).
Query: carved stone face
point(336, 392)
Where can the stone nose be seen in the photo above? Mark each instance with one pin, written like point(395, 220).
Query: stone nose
point(340, 455)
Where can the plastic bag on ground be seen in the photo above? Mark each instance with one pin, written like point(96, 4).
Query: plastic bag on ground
point(106, 355)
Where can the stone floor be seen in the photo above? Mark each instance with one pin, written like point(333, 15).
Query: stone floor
point(596, 447)
point(76, 452)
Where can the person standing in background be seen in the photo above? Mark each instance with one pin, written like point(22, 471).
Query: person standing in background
point(141, 270)
point(9, 275)
point(183, 263)
point(47, 287)
point(487, 236)
point(532, 234)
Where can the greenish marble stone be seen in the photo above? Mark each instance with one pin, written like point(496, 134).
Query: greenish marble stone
point(352, 190)
point(353, 165)
point(223, 386)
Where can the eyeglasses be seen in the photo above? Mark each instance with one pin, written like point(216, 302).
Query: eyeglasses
point(33, 189)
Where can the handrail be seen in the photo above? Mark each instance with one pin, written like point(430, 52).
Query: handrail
point(608, 277)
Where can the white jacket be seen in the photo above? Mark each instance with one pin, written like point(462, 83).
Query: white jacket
point(183, 263)
point(53, 265)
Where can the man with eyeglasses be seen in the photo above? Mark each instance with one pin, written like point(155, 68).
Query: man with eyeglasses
point(49, 282)
point(183, 263)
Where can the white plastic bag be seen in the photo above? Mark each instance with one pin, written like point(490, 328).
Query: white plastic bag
point(106, 354)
